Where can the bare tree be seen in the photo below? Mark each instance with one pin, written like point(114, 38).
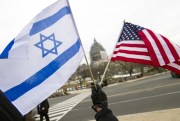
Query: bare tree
point(81, 73)
point(127, 67)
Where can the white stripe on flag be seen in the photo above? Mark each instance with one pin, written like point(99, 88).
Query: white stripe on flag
point(131, 42)
point(174, 65)
point(165, 47)
point(132, 49)
point(47, 87)
point(132, 56)
point(177, 48)
point(156, 49)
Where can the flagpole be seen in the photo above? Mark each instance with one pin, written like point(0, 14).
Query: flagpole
point(82, 47)
point(111, 55)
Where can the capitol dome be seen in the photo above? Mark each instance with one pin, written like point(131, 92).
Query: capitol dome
point(97, 52)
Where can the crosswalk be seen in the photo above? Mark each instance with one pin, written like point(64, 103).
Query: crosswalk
point(57, 111)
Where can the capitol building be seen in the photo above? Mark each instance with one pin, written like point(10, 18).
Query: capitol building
point(97, 54)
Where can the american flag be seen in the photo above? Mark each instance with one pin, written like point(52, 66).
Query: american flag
point(141, 45)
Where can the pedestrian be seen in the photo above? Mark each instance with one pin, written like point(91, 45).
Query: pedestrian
point(100, 105)
point(43, 109)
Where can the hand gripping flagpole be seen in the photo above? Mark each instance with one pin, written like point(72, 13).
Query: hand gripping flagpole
point(82, 48)
point(111, 55)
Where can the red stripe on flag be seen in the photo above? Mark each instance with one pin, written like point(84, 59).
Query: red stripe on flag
point(172, 49)
point(160, 47)
point(134, 60)
point(175, 66)
point(131, 52)
point(172, 69)
point(121, 50)
point(131, 45)
point(177, 62)
point(150, 48)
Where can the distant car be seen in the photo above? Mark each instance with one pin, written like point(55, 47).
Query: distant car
point(175, 75)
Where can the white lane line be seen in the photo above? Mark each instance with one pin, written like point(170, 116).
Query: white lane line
point(136, 91)
point(145, 98)
point(147, 89)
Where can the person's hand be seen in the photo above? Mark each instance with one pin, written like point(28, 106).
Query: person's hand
point(98, 97)
point(96, 108)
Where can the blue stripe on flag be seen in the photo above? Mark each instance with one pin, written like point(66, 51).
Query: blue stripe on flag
point(5, 52)
point(42, 74)
point(45, 23)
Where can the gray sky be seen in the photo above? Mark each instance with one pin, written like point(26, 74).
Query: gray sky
point(100, 19)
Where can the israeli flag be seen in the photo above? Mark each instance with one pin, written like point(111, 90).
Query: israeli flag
point(41, 58)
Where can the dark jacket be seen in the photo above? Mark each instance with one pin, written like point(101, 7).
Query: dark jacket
point(8, 112)
point(105, 115)
point(43, 107)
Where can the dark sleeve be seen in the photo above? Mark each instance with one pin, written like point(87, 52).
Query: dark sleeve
point(47, 104)
point(108, 118)
point(8, 111)
point(105, 115)
point(38, 109)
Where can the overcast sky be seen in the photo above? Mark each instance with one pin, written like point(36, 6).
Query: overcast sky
point(99, 19)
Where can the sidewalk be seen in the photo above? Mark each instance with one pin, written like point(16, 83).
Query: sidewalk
point(164, 115)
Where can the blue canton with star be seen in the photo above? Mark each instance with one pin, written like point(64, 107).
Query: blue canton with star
point(48, 44)
point(130, 32)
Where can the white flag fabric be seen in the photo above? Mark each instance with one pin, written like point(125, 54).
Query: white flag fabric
point(41, 58)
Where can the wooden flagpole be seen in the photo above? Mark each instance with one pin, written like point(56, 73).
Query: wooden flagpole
point(82, 47)
point(111, 55)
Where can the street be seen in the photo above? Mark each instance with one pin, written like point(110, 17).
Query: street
point(155, 93)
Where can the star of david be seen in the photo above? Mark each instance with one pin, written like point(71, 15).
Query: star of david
point(48, 44)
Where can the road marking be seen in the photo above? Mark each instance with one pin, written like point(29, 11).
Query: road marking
point(126, 101)
point(144, 90)
point(148, 89)
point(57, 111)
point(144, 98)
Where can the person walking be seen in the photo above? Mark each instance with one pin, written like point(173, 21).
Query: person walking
point(100, 105)
point(43, 109)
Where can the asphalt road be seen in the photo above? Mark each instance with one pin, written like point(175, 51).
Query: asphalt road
point(160, 92)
